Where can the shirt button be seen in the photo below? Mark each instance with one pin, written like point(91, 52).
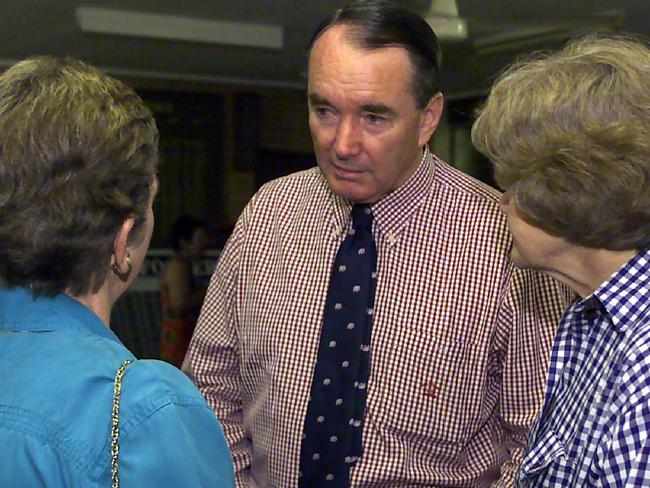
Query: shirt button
point(391, 238)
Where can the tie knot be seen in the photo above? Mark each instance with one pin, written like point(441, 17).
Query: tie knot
point(361, 217)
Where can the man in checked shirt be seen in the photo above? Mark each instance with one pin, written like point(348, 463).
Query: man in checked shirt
point(460, 339)
point(569, 135)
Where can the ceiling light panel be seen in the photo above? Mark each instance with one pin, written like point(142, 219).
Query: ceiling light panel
point(177, 28)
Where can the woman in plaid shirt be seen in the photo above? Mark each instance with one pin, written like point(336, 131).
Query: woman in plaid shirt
point(569, 135)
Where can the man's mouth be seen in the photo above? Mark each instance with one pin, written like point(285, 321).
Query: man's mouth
point(345, 170)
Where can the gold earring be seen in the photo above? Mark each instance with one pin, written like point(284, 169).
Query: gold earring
point(122, 275)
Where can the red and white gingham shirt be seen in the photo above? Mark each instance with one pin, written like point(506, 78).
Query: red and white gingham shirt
point(460, 339)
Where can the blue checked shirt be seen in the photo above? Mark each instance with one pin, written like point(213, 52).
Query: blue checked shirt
point(593, 429)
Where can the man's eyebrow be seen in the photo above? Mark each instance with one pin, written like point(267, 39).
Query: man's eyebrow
point(378, 109)
point(374, 108)
point(316, 99)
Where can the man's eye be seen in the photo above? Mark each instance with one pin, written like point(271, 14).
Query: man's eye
point(323, 112)
point(375, 119)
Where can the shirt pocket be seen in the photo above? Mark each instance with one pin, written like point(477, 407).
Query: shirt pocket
point(545, 459)
point(428, 392)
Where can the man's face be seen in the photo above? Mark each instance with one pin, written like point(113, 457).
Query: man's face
point(367, 130)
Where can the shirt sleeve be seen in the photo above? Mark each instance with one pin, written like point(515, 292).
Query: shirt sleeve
point(213, 357)
point(626, 460)
point(526, 327)
point(179, 444)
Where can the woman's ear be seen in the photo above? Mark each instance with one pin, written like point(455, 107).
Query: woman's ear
point(121, 264)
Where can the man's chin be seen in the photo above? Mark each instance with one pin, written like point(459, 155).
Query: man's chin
point(353, 191)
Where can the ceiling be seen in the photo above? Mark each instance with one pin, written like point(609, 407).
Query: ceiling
point(498, 31)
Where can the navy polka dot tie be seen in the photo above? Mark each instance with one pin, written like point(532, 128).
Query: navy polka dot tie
point(331, 442)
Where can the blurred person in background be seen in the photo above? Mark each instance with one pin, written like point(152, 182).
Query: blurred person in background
point(569, 136)
point(181, 295)
point(78, 159)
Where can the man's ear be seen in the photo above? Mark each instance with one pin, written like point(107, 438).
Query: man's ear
point(121, 245)
point(430, 118)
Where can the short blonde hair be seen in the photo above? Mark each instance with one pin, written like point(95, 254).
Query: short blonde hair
point(569, 136)
point(78, 154)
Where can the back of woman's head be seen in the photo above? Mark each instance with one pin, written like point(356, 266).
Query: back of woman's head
point(78, 155)
point(569, 135)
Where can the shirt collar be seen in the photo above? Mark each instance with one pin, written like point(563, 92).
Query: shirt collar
point(392, 212)
point(20, 311)
point(626, 293)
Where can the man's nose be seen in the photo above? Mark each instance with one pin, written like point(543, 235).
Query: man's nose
point(348, 139)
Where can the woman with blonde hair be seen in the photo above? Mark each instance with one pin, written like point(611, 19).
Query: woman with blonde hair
point(569, 135)
point(78, 158)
